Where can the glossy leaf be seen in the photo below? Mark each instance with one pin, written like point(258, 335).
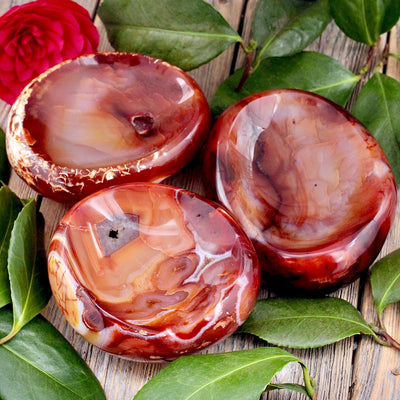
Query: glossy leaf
point(39, 363)
point(241, 375)
point(311, 71)
point(305, 323)
point(10, 206)
point(285, 27)
point(4, 166)
point(288, 386)
point(365, 20)
point(385, 281)
point(378, 108)
point(29, 284)
point(185, 33)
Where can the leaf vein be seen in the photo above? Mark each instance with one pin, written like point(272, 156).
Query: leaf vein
point(9, 225)
point(365, 24)
point(385, 102)
point(236, 370)
point(236, 38)
point(386, 292)
point(51, 377)
point(336, 84)
point(297, 318)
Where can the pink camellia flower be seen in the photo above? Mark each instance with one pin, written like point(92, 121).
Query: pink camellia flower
point(38, 35)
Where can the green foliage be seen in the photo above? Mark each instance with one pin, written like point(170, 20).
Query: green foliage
point(39, 363)
point(4, 166)
point(185, 33)
point(385, 281)
point(10, 206)
point(285, 27)
point(23, 267)
point(239, 375)
point(305, 323)
point(311, 71)
point(365, 20)
point(378, 108)
point(30, 290)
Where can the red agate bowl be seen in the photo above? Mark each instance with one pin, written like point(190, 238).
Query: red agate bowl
point(105, 119)
point(307, 182)
point(151, 272)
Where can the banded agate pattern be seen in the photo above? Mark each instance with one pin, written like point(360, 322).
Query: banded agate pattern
point(307, 182)
point(105, 119)
point(151, 272)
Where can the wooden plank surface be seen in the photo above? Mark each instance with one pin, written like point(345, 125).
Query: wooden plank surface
point(355, 368)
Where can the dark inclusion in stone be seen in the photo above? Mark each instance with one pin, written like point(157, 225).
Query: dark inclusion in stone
point(143, 124)
point(116, 232)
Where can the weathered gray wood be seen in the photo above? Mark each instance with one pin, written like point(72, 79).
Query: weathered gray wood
point(376, 368)
point(355, 368)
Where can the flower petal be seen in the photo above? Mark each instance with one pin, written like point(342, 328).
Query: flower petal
point(6, 35)
point(7, 63)
point(75, 38)
point(10, 49)
point(25, 75)
point(43, 65)
point(38, 35)
point(6, 76)
point(55, 58)
point(68, 51)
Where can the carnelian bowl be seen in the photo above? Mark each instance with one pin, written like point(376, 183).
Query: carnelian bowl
point(105, 119)
point(308, 183)
point(150, 272)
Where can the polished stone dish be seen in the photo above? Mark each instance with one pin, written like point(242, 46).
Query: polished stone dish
point(151, 272)
point(307, 182)
point(105, 119)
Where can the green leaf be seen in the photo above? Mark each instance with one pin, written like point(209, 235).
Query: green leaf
point(378, 108)
point(365, 20)
point(311, 71)
point(395, 55)
point(185, 33)
point(39, 363)
point(241, 375)
point(4, 166)
point(288, 386)
point(285, 27)
point(305, 323)
point(385, 281)
point(30, 290)
point(10, 206)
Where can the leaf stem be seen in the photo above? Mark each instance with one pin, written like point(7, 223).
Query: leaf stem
point(388, 340)
point(371, 55)
point(249, 50)
point(395, 55)
point(393, 343)
point(8, 337)
point(309, 383)
point(246, 72)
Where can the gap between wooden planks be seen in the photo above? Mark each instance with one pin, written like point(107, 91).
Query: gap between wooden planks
point(354, 368)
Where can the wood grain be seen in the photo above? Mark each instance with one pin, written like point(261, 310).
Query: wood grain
point(375, 367)
point(355, 368)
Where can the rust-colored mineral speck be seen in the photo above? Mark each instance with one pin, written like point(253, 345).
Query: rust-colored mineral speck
point(105, 119)
point(307, 182)
point(181, 276)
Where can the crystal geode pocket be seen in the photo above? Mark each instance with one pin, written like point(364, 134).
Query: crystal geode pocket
point(151, 272)
point(105, 119)
point(307, 182)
